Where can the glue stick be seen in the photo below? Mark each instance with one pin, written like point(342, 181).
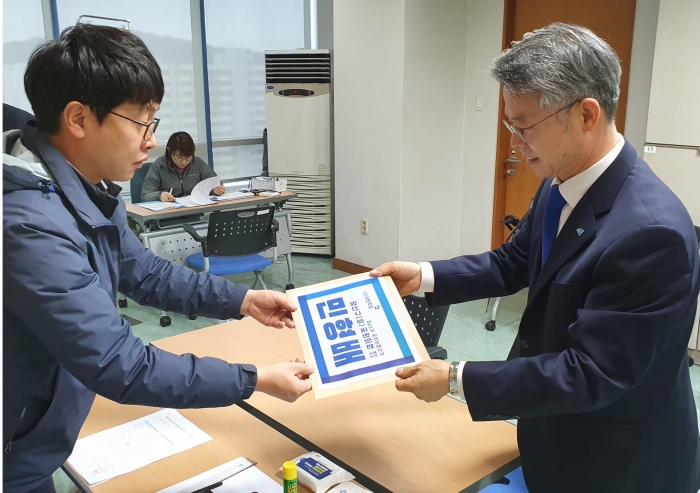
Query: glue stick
point(289, 474)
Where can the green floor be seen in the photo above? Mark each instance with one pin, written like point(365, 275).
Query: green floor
point(464, 335)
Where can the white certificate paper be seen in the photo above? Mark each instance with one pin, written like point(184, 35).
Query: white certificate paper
point(356, 331)
point(130, 446)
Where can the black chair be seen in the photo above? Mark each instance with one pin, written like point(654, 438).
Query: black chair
point(234, 240)
point(429, 322)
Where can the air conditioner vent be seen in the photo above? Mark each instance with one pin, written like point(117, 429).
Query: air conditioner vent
point(302, 67)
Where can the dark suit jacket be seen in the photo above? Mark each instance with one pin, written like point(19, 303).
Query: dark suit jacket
point(601, 387)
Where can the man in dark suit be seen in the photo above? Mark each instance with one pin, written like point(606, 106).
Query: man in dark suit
point(598, 377)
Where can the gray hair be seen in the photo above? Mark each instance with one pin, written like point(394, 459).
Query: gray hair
point(562, 63)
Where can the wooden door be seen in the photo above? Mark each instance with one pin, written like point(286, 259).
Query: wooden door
point(612, 20)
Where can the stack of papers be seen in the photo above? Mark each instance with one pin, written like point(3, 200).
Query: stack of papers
point(200, 196)
point(125, 448)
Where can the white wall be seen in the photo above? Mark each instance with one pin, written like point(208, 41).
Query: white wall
point(433, 122)
point(412, 155)
point(368, 39)
point(484, 43)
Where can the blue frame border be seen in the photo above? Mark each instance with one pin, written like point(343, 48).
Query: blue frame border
point(205, 75)
point(311, 332)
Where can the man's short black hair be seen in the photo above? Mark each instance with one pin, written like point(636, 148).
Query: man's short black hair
point(99, 66)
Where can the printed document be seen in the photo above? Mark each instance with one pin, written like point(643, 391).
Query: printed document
point(200, 192)
point(130, 446)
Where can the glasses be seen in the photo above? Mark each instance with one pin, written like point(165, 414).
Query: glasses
point(150, 127)
point(180, 157)
point(520, 131)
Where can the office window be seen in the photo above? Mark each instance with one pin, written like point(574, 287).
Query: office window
point(238, 161)
point(22, 31)
point(238, 33)
point(165, 26)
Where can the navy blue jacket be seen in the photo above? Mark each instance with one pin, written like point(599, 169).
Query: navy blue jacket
point(601, 388)
point(63, 340)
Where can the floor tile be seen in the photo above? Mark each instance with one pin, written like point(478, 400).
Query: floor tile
point(695, 377)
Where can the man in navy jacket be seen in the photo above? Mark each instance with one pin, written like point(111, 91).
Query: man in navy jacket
point(67, 252)
point(598, 379)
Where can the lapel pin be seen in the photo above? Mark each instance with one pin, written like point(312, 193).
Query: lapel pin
point(579, 231)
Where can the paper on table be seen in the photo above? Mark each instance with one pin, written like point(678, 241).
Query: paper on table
point(250, 479)
point(187, 201)
point(158, 206)
point(232, 196)
point(130, 446)
point(200, 192)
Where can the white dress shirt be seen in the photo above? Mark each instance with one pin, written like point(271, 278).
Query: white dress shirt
point(572, 190)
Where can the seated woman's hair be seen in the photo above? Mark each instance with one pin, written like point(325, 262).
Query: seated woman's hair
point(179, 143)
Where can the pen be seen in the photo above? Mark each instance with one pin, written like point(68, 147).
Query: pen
point(171, 191)
point(208, 489)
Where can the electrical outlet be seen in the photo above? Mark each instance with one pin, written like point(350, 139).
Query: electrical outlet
point(364, 226)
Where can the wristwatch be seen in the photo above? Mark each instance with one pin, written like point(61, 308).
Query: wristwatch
point(454, 382)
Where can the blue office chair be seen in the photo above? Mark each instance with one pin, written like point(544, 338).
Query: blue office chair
point(234, 240)
point(136, 183)
point(512, 483)
point(429, 322)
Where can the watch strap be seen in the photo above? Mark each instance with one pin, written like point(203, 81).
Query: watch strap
point(454, 381)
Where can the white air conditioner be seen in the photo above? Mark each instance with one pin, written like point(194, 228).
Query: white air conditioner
point(298, 101)
point(298, 105)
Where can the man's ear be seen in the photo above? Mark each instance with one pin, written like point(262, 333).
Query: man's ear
point(590, 113)
point(74, 119)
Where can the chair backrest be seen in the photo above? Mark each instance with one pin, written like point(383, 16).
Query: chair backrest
point(13, 118)
point(697, 234)
point(429, 321)
point(136, 183)
point(240, 232)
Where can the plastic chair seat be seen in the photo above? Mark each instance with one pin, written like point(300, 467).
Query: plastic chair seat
point(517, 484)
point(221, 266)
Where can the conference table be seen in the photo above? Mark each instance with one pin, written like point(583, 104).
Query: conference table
point(147, 218)
point(235, 434)
point(391, 441)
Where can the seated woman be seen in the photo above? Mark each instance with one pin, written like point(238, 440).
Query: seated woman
point(177, 172)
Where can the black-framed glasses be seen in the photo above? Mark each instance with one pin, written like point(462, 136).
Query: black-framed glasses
point(150, 127)
point(519, 132)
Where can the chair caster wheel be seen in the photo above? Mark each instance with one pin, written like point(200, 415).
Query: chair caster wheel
point(192, 317)
point(122, 303)
point(164, 321)
point(491, 325)
point(289, 286)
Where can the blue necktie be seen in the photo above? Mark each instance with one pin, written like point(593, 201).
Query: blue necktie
point(552, 215)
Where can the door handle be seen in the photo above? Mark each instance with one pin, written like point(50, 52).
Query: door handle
point(510, 171)
point(513, 160)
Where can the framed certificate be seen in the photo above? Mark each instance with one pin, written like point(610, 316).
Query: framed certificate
point(356, 331)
